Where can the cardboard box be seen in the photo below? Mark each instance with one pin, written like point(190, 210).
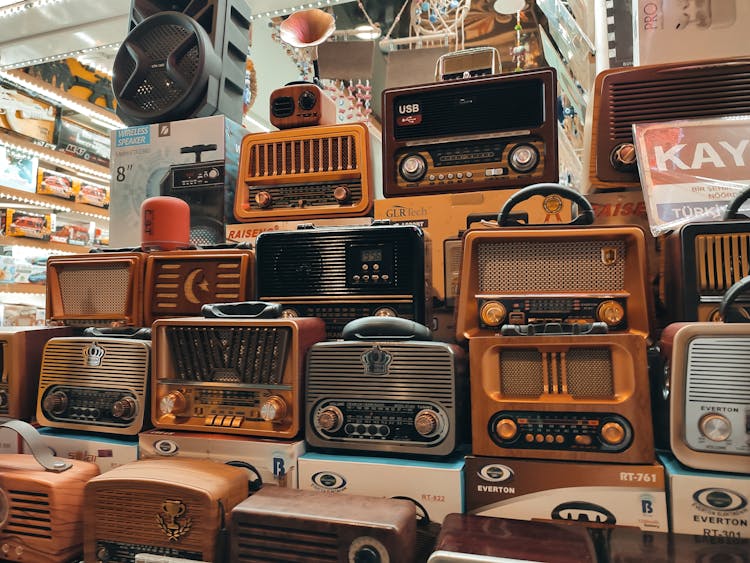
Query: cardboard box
point(275, 461)
point(107, 452)
point(10, 442)
point(30, 225)
point(25, 115)
point(707, 503)
point(148, 160)
point(436, 485)
point(56, 184)
point(607, 493)
point(248, 232)
point(18, 170)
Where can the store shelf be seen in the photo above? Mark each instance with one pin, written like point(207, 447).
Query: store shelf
point(55, 204)
point(43, 244)
point(22, 288)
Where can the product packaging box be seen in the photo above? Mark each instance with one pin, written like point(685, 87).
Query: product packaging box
point(194, 159)
point(707, 503)
point(248, 232)
point(10, 442)
point(30, 225)
point(274, 461)
point(602, 493)
point(436, 485)
point(93, 194)
point(25, 115)
point(56, 184)
point(107, 452)
point(18, 170)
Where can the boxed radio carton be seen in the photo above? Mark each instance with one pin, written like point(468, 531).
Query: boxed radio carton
point(274, 462)
point(707, 503)
point(248, 232)
point(436, 485)
point(193, 159)
point(601, 493)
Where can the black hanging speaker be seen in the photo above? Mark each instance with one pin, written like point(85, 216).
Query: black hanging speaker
point(182, 59)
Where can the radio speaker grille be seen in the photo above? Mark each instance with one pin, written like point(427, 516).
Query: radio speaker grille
point(580, 372)
point(301, 156)
point(718, 370)
point(81, 289)
point(721, 260)
point(539, 267)
point(230, 354)
point(28, 515)
point(258, 542)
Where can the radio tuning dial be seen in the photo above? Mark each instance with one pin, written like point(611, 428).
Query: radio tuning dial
point(124, 408)
point(102, 554)
point(413, 168)
point(3, 398)
point(715, 427)
point(610, 312)
point(612, 433)
point(426, 422)
point(56, 402)
point(307, 100)
point(273, 409)
point(493, 313)
point(367, 554)
point(263, 199)
point(624, 157)
point(523, 158)
point(330, 419)
point(506, 428)
point(342, 194)
point(174, 403)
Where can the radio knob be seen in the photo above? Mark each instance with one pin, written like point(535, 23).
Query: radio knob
point(125, 408)
point(427, 423)
point(273, 409)
point(263, 199)
point(612, 433)
point(330, 419)
point(385, 311)
point(3, 398)
point(174, 403)
point(624, 157)
point(715, 427)
point(367, 554)
point(493, 313)
point(610, 312)
point(102, 554)
point(56, 403)
point(413, 168)
point(523, 158)
point(307, 100)
point(506, 428)
point(341, 194)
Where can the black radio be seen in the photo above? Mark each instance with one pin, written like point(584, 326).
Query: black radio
point(344, 273)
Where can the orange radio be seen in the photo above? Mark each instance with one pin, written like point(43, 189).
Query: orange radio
point(544, 274)
point(167, 507)
point(309, 172)
point(41, 502)
point(583, 397)
point(21, 356)
point(301, 104)
point(238, 372)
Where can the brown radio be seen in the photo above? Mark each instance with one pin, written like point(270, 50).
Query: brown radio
point(561, 397)
point(240, 372)
point(21, 356)
point(41, 502)
point(179, 282)
point(566, 274)
point(293, 525)
point(310, 172)
point(174, 507)
point(301, 104)
point(664, 92)
point(98, 289)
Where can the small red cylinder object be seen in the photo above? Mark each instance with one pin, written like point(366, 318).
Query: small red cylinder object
point(165, 223)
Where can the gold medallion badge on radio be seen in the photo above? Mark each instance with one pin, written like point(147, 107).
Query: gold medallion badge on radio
point(172, 519)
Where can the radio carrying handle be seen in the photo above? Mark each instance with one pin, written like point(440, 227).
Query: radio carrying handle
point(242, 310)
point(730, 296)
point(132, 333)
point(42, 453)
point(388, 328)
point(733, 210)
point(585, 211)
point(198, 150)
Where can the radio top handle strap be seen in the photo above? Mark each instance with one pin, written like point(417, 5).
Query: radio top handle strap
point(242, 310)
point(388, 328)
point(41, 452)
point(733, 209)
point(585, 211)
point(730, 296)
point(143, 333)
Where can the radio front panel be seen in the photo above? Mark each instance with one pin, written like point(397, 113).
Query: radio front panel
point(236, 376)
point(564, 397)
point(488, 133)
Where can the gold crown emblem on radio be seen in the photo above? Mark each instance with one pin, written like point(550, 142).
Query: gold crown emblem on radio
point(93, 355)
point(376, 361)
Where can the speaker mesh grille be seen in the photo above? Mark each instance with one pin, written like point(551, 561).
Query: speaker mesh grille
point(721, 260)
point(590, 373)
point(521, 373)
point(327, 154)
point(537, 267)
point(81, 289)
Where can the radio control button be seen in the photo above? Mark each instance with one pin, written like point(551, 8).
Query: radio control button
point(559, 438)
point(330, 420)
point(210, 420)
point(582, 439)
point(624, 157)
point(125, 408)
point(492, 313)
point(506, 428)
point(102, 554)
point(715, 427)
point(385, 311)
point(263, 199)
point(361, 429)
point(459, 175)
point(3, 398)
point(376, 267)
point(367, 554)
point(441, 176)
point(469, 174)
point(237, 421)
point(610, 312)
point(413, 168)
point(342, 194)
point(372, 429)
point(174, 403)
point(273, 409)
point(450, 176)
point(612, 433)
point(539, 438)
point(529, 437)
point(55, 403)
point(549, 438)
point(349, 428)
point(523, 158)
point(427, 423)
point(432, 177)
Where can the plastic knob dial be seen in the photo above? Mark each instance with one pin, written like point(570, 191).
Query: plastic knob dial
point(506, 428)
point(330, 419)
point(263, 199)
point(413, 168)
point(124, 408)
point(273, 409)
point(367, 554)
point(56, 402)
point(610, 312)
point(523, 158)
point(612, 433)
point(493, 313)
point(341, 194)
point(173, 403)
point(624, 156)
point(426, 422)
point(715, 427)
point(307, 100)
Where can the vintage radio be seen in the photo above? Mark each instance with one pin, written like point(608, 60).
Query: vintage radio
point(709, 394)
point(310, 172)
point(20, 357)
point(466, 538)
point(344, 273)
point(41, 502)
point(468, 63)
point(301, 104)
point(548, 274)
point(172, 507)
point(386, 388)
point(179, 282)
point(467, 135)
point(98, 289)
point(561, 397)
point(240, 373)
point(96, 383)
point(294, 525)
point(664, 92)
